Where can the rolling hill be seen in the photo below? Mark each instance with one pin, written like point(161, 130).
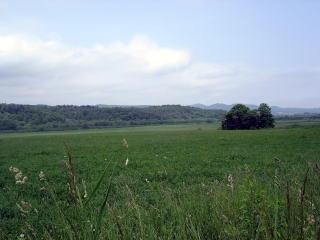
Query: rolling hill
point(42, 117)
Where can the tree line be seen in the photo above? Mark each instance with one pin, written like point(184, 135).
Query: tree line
point(42, 117)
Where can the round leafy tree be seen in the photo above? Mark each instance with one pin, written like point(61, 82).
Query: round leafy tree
point(266, 119)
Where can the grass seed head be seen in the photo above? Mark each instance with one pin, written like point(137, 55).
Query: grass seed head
point(42, 176)
point(311, 220)
point(230, 182)
point(20, 182)
point(70, 172)
point(14, 169)
point(85, 195)
point(20, 179)
point(24, 208)
point(224, 218)
point(125, 143)
point(18, 176)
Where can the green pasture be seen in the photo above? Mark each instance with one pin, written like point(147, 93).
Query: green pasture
point(181, 182)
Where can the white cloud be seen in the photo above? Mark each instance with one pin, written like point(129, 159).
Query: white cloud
point(139, 72)
point(141, 55)
point(144, 55)
point(15, 48)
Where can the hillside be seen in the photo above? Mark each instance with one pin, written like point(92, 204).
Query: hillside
point(42, 117)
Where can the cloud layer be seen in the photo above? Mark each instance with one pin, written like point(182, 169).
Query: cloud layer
point(138, 72)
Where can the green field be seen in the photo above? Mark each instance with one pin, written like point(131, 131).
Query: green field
point(181, 182)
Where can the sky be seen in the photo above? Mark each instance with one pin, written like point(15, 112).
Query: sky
point(155, 52)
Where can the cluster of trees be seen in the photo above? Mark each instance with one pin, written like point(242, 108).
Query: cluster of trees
point(241, 117)
point(42, 117)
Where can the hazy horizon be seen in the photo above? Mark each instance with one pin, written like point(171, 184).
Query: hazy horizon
point(138, 105)
point(79, 52)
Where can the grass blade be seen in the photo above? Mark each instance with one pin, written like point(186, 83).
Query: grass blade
point(97, 185)
point(104, 204)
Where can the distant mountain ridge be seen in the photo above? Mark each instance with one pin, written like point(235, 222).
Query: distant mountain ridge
point(276, 110)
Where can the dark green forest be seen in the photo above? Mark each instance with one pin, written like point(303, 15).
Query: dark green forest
point(19, 117)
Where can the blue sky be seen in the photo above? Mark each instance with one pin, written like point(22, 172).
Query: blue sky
point(160, 52)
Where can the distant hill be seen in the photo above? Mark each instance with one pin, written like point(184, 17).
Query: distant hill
point(122, 106)
point(275, 109)
point(291, 111)
point(42, 117)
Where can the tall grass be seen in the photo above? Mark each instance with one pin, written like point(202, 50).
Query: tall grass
point(247, 205)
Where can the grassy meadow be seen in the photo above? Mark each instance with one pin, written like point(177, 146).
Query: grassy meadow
point(169, 182)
